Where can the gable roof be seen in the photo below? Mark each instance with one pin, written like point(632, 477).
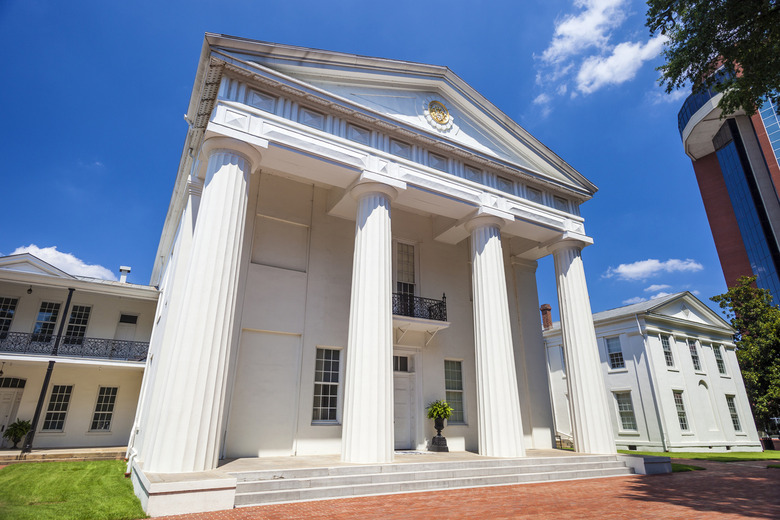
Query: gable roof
point(393, 91)
point(663, 307)
point(28, 263)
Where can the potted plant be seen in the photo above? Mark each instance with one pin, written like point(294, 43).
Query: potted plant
point(438, 411)
point(16, 431)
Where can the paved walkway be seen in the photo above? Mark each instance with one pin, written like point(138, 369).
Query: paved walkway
point(724, 491)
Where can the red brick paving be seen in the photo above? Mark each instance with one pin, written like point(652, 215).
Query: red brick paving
point(724, 491)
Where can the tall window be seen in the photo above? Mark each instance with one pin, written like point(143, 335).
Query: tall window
point(615, 353)
point(453, 386)
point(77, 325)
point(104, 409)
point(733, 411)
point(668, 356)
point(58, 408)
point(7, 310)
point(716, 349)
point(405, 277)
point(44, 325)
point(626, 410)
point(694, 355)
point(326, 385)
point(681, 416)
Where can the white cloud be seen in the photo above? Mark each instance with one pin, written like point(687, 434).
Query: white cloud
point(658, 98)
point(67, 262)
point(659, 295)
point(635, 299)
point(644, 269)
point(657, 287)
point(543, 101)
point(590, 27)
point(622, 65)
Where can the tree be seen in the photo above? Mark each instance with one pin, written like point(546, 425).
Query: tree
point(742, 35)
point(757, 323)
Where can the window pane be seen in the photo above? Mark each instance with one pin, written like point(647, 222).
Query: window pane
point(7, 311)
point(77, 325)
point(681, 416)
point(453, 385)
point(104, 409)
point(58, 407)
point(733, 411)
point(326, 385)
point(668, 356)
point(626, 410)
point(615, 353)
point(44, 325)
point(694, 354)
point(716, 349)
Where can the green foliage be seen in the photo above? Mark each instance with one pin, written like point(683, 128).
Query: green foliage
point(439, 410)
point(775, 466)
point(757, 323)
point(681, 468)
point(17, 430)
point(67, 491)
point(743, 35)
point(729, 456)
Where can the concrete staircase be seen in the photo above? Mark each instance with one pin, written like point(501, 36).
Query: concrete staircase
point(292, 485)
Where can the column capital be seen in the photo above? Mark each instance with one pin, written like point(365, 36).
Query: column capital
point(363, 188)
point(484, 220)
point(245, 150)
point(568, 240)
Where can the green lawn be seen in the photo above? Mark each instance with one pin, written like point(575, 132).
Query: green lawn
point(680, 468)
point(96, 490)
point(729, 456)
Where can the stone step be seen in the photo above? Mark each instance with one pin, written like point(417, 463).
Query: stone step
point(414, 467)
point(410, 476)
point(410, 486)
point(62, 455)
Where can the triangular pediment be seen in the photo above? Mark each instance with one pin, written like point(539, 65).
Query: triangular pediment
point(27, 263)
point(403, 93)
point(687, 307)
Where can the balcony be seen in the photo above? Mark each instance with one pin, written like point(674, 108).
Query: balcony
point(423, 308)
point(79, 347)
point(698, 99)
point(413, 313)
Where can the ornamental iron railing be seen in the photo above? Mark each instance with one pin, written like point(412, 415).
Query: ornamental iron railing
point(73, 346)
point(417, 307)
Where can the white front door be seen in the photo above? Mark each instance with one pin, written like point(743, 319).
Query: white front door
point(9, 403)
point(402, 395)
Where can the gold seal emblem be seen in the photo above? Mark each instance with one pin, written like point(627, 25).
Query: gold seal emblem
point(438, 112)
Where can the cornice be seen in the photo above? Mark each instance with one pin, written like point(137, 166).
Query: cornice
point(276, 82)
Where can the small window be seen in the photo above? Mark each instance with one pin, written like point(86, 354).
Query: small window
point(716, 349)
point(694, 355)
point(104, 409)
point(77, 325)
point(400, 149)
point(534, 195)
point(12, 382)
point(681, 415)
point(626, 411)
point(7, 311)
point(44, 324)
point(128, 318)
point(311, 118)
point(473, 174)
point(505, 185)
point(733, 411)
point(453, 386)
point(326, 385)
point(437, 161)
point(58, 408)
point(668, 356)
point(615, 353)
point(358, 134)
point(400, 363)
point(561, 203)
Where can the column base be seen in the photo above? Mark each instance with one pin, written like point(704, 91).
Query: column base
point(163, 494)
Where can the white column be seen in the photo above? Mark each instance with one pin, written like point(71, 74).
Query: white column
point(591, 423)
point(498, 403)
point(367, 426)
point(192, 394)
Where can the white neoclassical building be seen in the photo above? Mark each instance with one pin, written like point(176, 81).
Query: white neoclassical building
point(671, 374)
point(350, 238)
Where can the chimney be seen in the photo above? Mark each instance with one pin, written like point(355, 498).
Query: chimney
point(123, 272)
point(546, 316)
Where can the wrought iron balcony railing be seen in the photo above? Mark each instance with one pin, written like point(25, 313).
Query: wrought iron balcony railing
point(416, 307)
point(43, 345)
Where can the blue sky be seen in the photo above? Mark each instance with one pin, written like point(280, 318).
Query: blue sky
point(95, 92)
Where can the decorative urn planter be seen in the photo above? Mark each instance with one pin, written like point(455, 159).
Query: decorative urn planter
point(438, 411)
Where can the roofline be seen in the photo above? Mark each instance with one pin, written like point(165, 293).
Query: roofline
point(139, 292)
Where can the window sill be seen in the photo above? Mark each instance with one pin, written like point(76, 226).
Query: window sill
point(617, 370)
point(688, 434)
point(672, 369)
point(457, 423)
point(700, 373)
point(325, 423)
point(725, 376)
point(629, 433)
point(99, 432)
